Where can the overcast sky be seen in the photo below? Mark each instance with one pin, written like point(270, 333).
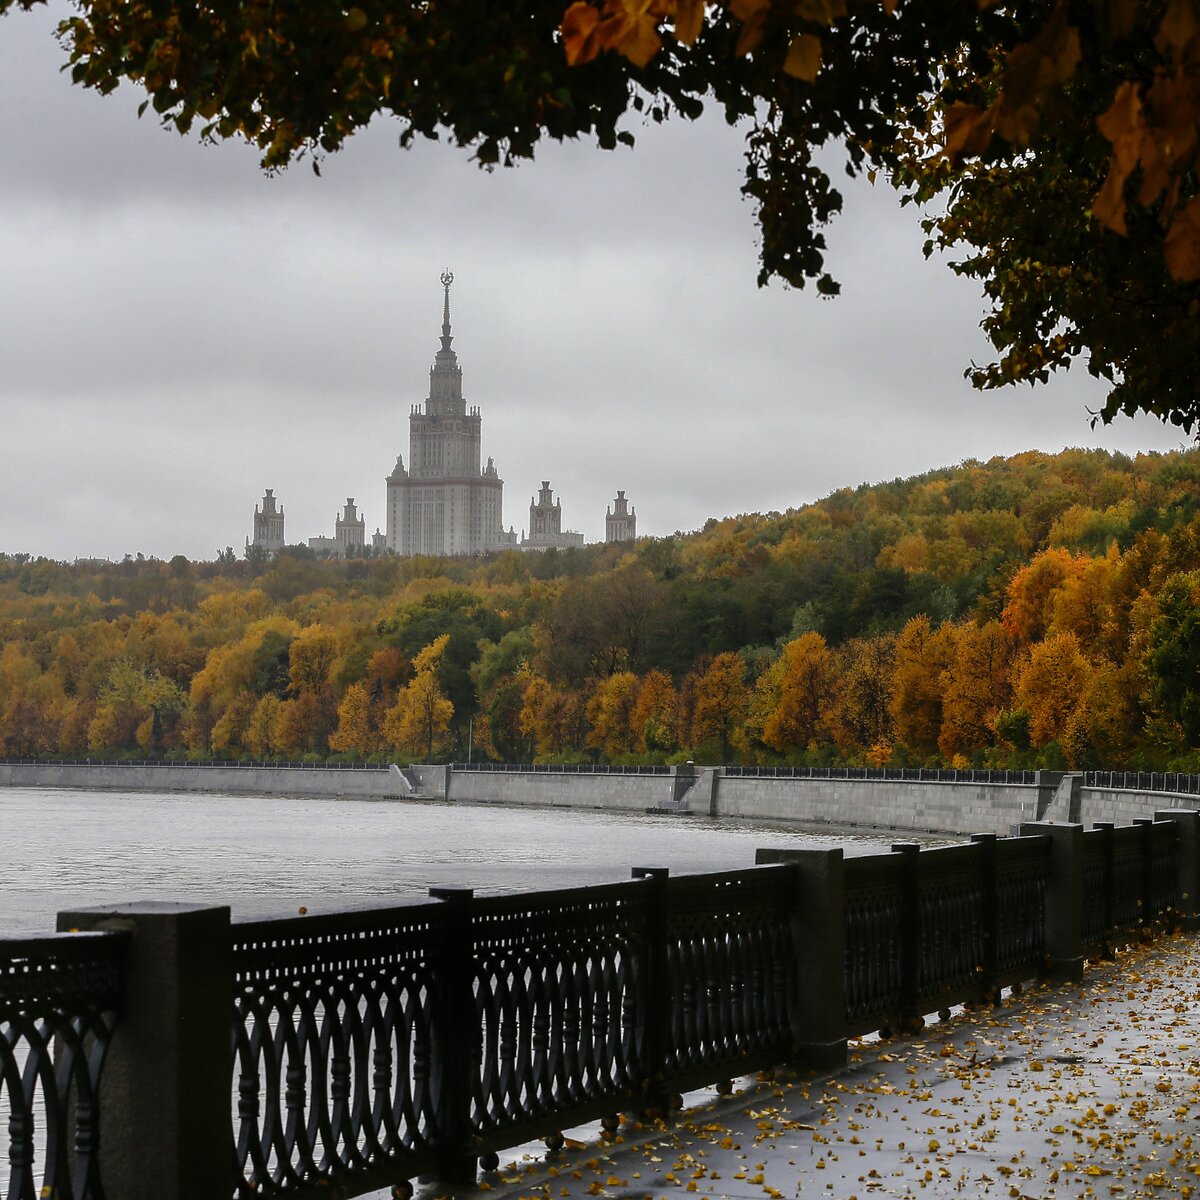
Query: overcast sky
point(179, 332)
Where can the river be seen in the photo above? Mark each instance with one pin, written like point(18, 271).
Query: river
point(270, 855)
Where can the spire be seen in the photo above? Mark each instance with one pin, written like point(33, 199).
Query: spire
point(447, 280)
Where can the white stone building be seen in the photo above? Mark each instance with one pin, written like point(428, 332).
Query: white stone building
point(350, 529)
point(268, 525)
point(349, 534)
point(442, 503)
point(620, 521)
point(545, 523)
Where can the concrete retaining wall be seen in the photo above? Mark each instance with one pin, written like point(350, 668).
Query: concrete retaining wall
point(896, 804)
point(927, 806)
point(634, 793)
point(258, 781)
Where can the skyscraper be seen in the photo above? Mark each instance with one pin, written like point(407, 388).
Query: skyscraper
point(443, 503)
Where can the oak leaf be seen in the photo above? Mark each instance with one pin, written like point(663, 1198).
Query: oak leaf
point(579, 33)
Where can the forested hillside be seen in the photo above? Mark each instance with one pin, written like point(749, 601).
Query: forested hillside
point(1039, 609)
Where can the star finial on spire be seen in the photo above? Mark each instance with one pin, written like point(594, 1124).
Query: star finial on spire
point(447, 280)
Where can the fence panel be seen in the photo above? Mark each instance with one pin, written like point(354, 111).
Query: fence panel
point(59, 1002)
point(334, 1039)
point(1022, 872)
point(874, 978)
point(729, 973)
point(950, 918)
point(1127, 879)
point(1164, 868)
point(559, 1003)
point(1096, 887)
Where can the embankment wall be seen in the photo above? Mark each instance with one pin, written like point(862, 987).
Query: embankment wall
point(330, 782)
point(919, 806)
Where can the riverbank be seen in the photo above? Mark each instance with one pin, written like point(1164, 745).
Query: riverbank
point(328, 783)
point(961, 806)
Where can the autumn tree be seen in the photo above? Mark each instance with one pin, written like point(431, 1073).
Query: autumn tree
point(922, 657)
point(790, 696)
point(975, 687)
point(654, 714)
point(419, 723)
point(610, 714)
point(859, 713)
point(721, 703)
point(263, 729)
point(1050, 686)
point(355, 733)
point(1033, 591)
point(553, 717)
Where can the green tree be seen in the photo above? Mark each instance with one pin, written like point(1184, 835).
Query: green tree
point(1173, 655)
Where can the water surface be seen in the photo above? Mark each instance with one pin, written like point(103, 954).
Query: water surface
point(268, 855)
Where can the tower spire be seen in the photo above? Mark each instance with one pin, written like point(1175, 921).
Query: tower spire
point(447, 280)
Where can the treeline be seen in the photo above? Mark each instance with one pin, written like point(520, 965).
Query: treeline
point(1041, 609)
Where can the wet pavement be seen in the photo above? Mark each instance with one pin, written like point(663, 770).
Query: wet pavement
point(1068, 1091)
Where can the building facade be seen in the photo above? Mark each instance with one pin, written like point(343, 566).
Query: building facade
point(545, 523)
point(349, 535)
point(268, 525)
point(350, 529)
point(443, 503)
point(620, 521)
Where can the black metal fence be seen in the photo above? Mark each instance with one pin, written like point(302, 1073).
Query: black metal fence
point(560, 768)
point(1144, 781)
point(59, 1002)
point(260, 765)
point(1174, 782)
point(372, 1046)
point(920, 774)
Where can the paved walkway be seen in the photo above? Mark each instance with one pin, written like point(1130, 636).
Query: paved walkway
point(1072, 1092)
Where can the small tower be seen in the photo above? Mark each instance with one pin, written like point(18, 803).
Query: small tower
point(545, 524)
point(545, 514)
point(351, 529)
point(268, 525)
point(620, 521)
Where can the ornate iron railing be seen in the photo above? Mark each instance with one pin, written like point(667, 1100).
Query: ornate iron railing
point(557, 1011)
point(1127, 877)
point(1022, 868)
point(1164, 868)
point(335, 1025)
point(198, 764)
point(1144, 781)
point(1097, 887)
point(728, 977)
point(950, 927)
point(59, 1001)
point(875, 933)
